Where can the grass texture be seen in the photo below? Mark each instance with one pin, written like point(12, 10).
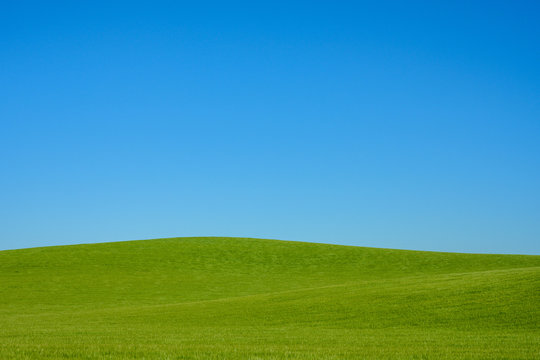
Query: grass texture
point(238, 298)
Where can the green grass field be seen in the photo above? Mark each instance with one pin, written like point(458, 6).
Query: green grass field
point(237, 298)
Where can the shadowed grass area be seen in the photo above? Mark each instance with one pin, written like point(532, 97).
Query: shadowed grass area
point(232, 298)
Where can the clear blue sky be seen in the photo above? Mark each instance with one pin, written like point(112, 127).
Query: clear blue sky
point(390, 124)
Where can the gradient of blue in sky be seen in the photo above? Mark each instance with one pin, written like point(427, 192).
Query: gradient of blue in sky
point(389, 124)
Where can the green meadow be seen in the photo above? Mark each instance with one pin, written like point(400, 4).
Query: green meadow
point(239, 298)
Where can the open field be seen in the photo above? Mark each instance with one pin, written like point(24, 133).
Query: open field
point(232, 298)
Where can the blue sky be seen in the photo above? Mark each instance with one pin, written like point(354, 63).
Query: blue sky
point(390, 124)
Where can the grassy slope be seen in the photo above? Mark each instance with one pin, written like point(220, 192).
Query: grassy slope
point(245, 298)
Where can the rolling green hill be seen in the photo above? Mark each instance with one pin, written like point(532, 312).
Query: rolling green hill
point(237, 298)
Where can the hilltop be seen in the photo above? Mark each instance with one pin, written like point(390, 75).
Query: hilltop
point(239, 298)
